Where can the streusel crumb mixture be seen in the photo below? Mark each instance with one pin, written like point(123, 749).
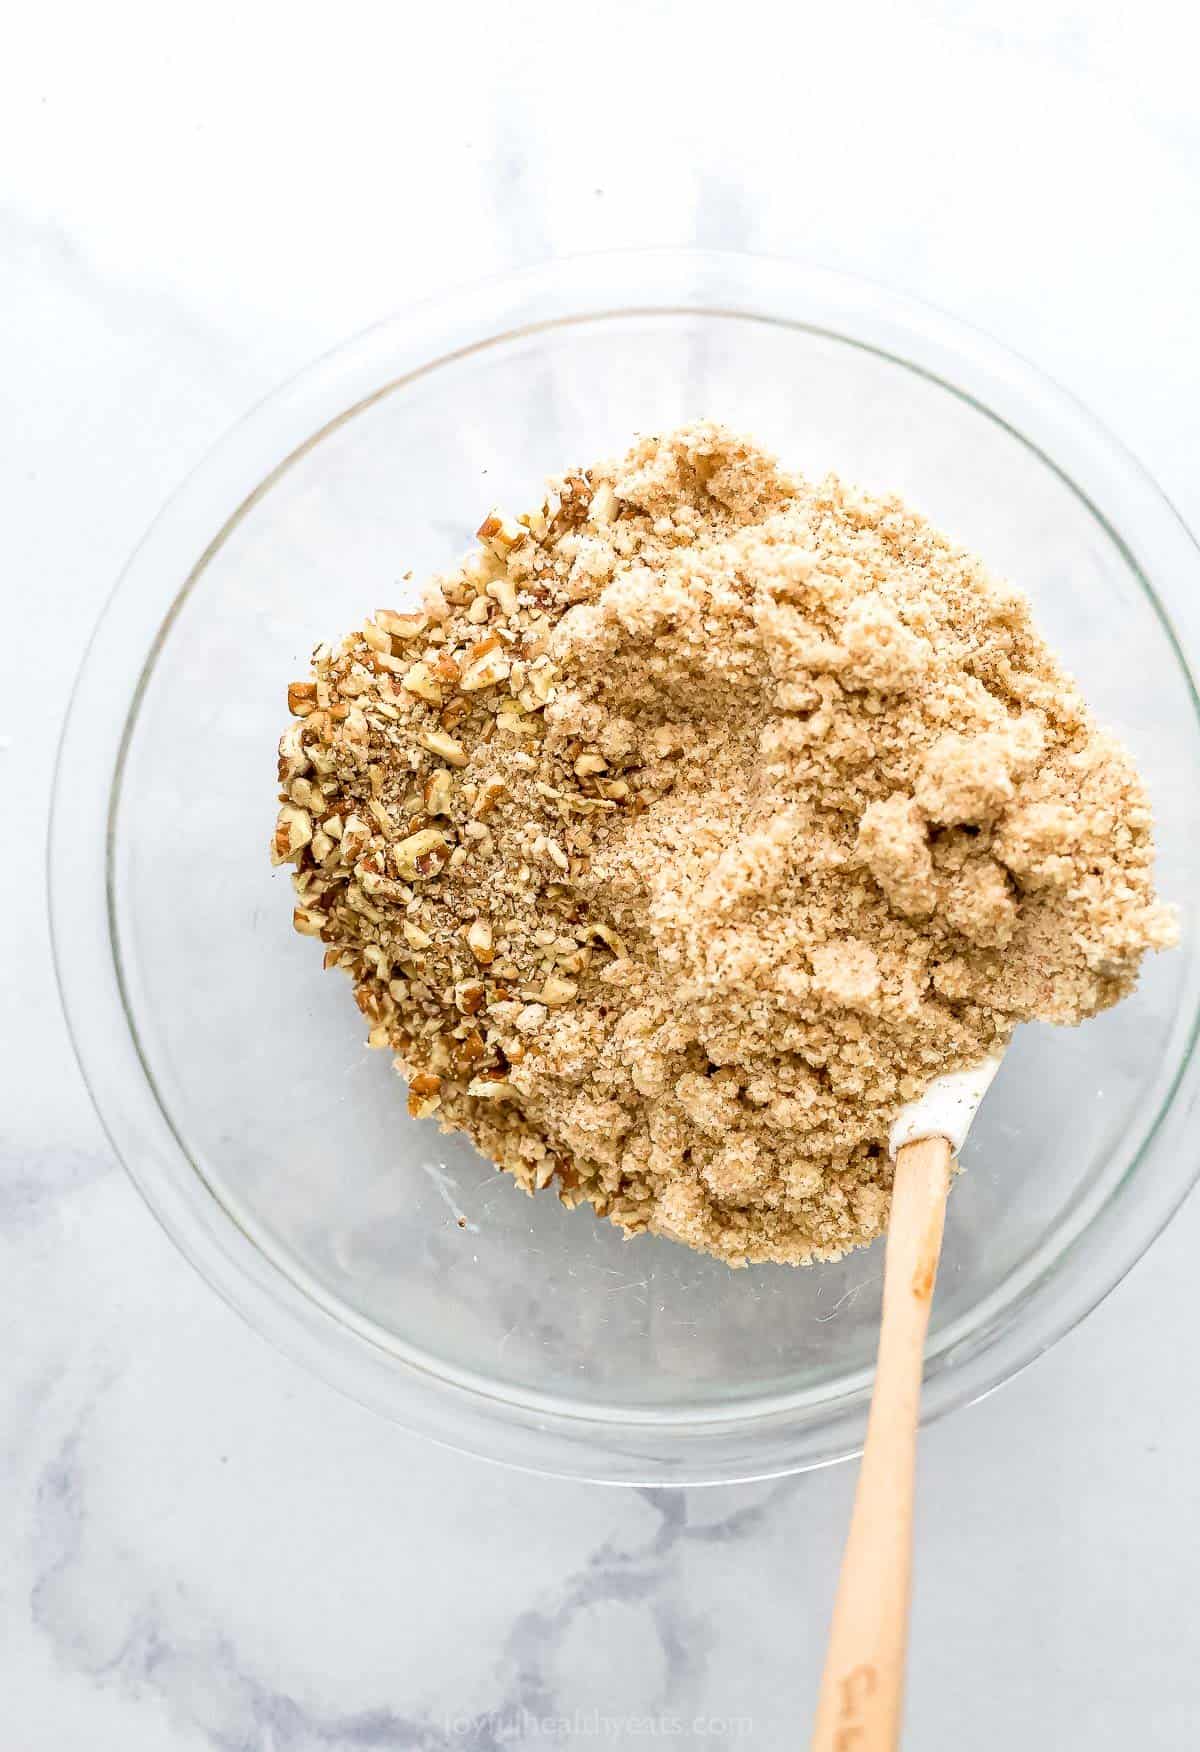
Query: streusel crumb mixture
point(694, 825)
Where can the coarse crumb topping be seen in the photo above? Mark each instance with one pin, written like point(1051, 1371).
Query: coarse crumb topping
point(698, 822)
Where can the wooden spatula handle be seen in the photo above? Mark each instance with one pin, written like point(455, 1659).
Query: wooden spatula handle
point(862, 1689)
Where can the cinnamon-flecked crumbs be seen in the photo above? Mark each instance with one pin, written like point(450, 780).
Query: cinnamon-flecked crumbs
point(694, 825)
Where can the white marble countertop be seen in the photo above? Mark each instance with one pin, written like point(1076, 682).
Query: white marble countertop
point(204, 1548)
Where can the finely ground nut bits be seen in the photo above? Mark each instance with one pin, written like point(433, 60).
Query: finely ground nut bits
point(697, 823)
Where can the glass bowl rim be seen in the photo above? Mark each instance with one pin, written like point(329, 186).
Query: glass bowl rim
point(524, 1430)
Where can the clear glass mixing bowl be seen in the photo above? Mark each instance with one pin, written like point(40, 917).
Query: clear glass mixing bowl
point(233, 1075)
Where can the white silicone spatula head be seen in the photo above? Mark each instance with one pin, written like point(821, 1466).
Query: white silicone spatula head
point(945, 1110)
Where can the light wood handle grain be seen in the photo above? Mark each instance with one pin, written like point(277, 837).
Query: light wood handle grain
point(862, 1689)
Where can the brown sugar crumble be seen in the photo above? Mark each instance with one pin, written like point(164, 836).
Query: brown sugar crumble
point(697, 823)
